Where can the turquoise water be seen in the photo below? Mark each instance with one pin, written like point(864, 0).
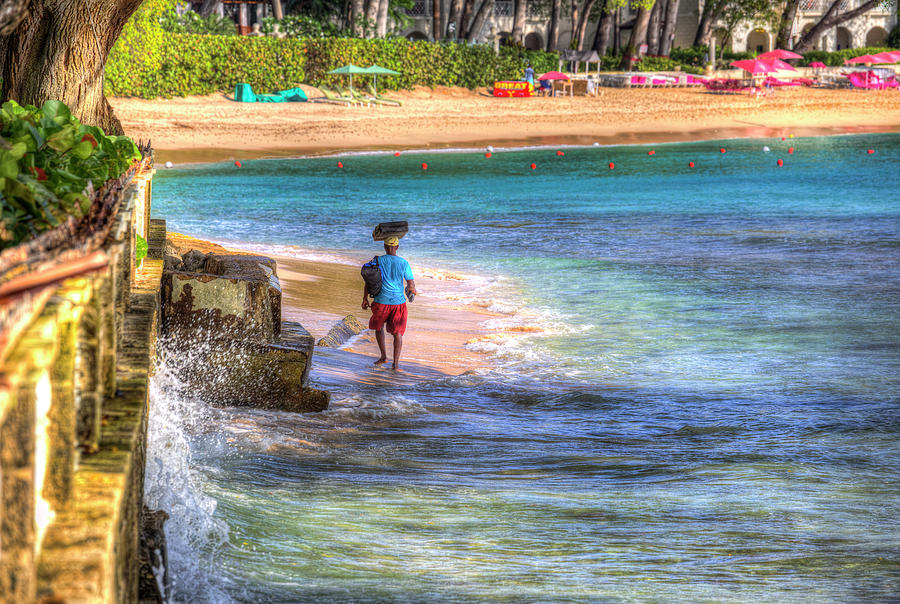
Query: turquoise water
point(703, 404)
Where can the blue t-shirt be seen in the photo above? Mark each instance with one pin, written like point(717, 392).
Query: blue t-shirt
point(395, 271)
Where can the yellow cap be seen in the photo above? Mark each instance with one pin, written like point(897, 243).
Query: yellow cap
point(392, 242)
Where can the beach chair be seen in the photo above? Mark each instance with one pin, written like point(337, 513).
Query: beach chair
point(380, 99)
point(331, 97)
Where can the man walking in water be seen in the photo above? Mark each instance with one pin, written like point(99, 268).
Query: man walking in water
point(389, 306)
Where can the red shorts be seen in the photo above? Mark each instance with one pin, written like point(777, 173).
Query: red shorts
point(392, 314)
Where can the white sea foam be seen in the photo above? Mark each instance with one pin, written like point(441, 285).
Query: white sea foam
point(291, 251)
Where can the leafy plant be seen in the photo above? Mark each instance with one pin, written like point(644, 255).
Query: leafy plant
point(300, 26)
point(140, 249)
point(47, 161)
point(193, 23)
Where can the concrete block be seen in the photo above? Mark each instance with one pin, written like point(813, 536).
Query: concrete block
point(342, 331)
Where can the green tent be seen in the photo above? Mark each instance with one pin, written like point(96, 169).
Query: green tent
point(349, 69)
point(377, 70)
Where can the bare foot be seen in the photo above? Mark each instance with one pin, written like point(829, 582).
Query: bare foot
point(396, 368)
point(381, 360)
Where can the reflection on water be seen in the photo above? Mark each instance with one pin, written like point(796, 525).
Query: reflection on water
point(690, 397)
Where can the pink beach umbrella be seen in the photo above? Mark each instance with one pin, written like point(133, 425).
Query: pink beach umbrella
point(553, 75)
point(818, 65)
point(888, 57)
point(779, 53)
point(754, 66)
point(778, 64)
point(865, 59)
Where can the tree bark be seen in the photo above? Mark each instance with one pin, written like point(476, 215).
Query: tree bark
point(604, 32)
point(553, 34)
point(575, 12)
point(456, 8)
point(581, 30)
point(357, 11)
point(783, 39)
point(484, 11)
point(831, 19)
point(277, 10)
point(436, 29)
point(463, 28)
point(58, 51)
point(668, 32)
point(638, 36)
point(518, 32)
point(653, 29)
point(381, 23)
point(711, 12)
point(207, 7)
point(371, 17)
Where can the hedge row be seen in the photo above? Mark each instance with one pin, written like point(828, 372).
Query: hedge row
point(153, 64)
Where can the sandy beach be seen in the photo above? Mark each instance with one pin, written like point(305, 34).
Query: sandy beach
point(214, 128)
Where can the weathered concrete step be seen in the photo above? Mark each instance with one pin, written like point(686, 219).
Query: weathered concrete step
point(343, 330)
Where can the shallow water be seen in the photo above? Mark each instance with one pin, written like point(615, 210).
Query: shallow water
point(691, 395)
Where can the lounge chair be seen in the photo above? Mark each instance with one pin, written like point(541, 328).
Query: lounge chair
point(382, 100)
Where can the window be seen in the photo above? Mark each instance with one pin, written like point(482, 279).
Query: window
point(503, 8)
point(420, 8)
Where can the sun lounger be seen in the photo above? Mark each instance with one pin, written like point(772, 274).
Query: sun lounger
point(382, 100)
point(243, 93)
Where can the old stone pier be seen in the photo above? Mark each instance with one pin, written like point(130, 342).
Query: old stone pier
point(81, 326)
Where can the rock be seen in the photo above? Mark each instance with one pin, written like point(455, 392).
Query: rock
point(342, 331)
point(153, 557)
point(194, 262)
point(172, 263)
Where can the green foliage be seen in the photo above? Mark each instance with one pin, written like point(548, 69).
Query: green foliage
point(166, 65)
point(47, 160)
point(140, 249)
point(192, 23)
point(893, 39)
point(837, 58)
point(665, 64)
point(300, 26)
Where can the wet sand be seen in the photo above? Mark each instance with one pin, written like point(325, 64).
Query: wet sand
point(214, 128)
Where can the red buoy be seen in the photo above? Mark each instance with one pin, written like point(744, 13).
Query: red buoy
point(611, 165)
point(651, 152)
point(340, 164)
point(782, 138)
point(396, 154)
point(533, 166)
point(560, 153)
point(870, 151)
point(424, 166)
point(722, 150)
point(791, 150)
point(780, 163)
point(690, 164)
point(238, 164)
point(487, 155)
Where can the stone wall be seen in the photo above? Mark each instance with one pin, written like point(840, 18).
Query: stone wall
point(74, 369)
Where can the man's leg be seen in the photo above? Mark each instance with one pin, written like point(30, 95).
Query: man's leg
point(398, 346)
point(379, 337)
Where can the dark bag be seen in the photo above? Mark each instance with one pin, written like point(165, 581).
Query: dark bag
point(371, 274)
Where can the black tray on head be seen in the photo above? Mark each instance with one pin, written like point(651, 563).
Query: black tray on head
point(390, 229)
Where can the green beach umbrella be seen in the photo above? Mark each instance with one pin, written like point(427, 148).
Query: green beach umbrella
point(377, 70)
point(349, 69)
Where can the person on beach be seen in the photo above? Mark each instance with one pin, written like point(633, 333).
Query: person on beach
point(529, 75)
point(389, 306)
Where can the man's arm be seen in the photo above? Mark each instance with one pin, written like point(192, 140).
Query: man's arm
point(365, 301)
point(411, 284)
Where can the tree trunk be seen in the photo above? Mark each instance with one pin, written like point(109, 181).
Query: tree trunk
point(357, 12)
point(518, 32)
point(653, 29)
point(436, 28)
point(711, 12)
point(604, 31)
point(467, 10)
point(371, 17)
point(484, 11)
point(638, 36)
point(617, 29)
point(553, 34)
point(58, 51)
point(207, 7)
point(574, 13)
point(581, 29)
point(277, 10)
point(381, 23)
point(831, 19)
point(668, 33)
point(456, 8)
point(783, 39)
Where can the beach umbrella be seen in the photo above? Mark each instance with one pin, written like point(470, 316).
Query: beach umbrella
point(349, 69)
point(869, 59)
point(754, 66)
point(553, 75)
point(777, 64)
point(377, 70)
point(779, 53)
point(888, 57)
point(818, 65)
